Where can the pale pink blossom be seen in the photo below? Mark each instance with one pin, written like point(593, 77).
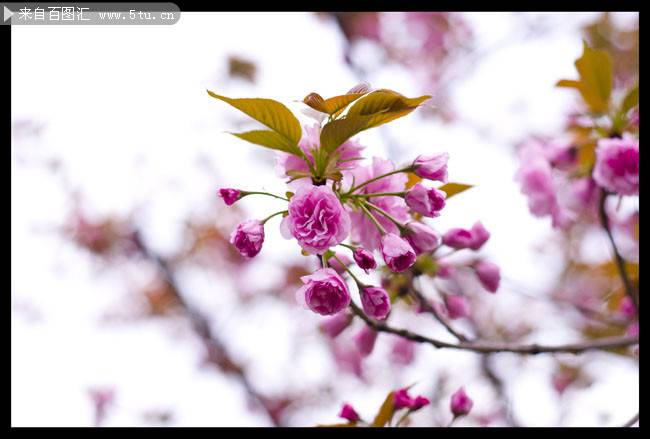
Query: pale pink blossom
point(248, 237)
point(617, 165)
point(398, 254)
point(433, 167)
point(422, 238)
point(375, 301)
point(324, 292)
point(489, 275)
point(426, 201)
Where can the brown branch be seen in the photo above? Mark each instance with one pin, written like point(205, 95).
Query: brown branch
point(632, 421)
point(491, 347)
point(216, 350)
point(620, 262)
point(424, 303)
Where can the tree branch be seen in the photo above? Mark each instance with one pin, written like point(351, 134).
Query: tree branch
point(632, 421)
point(620, 263)
point(491, 347)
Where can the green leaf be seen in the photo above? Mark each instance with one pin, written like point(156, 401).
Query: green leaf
point(452, 189)
point(386, 411)
point(269, 139)
point(271, 113)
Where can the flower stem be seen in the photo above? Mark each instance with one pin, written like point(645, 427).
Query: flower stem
point(397, 171)
point(373, 219)
point(264, 193)
point(399, 225)
point(381, 194)
point(347, 246)
point(272, 215)
point(360, 284)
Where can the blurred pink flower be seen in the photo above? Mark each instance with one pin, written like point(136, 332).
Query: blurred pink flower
point(617, 165)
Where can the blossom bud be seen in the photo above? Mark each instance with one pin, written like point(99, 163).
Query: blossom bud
point(489, 275)
point(461, 404)
point(433, 167)
point(427, 202)
point(419, 402)
point(422, 238)
point(402, 399)
point(458, 238)
point(348, 412)
point(365, 340)
point(479, 236)
point(398, 254)
point(248, 237)
point(376, 302)
point(457, 306)
point(403, 351)
point(229, 195)
point(364, 259)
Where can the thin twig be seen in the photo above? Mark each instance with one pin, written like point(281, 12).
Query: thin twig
point(425, 305)
point(490, 347)
point(620, 263)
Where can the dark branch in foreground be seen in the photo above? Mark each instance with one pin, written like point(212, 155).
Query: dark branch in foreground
point(620, 263)
point(632, 421)
point(491, 347)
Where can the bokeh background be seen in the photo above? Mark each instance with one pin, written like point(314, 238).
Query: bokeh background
point(130, 308)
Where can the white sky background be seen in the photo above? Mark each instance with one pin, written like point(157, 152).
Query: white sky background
point(126, 112)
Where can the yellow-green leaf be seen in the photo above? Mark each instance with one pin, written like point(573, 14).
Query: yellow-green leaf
point(382, 101)
point(569, 83)
point(452, 189)
point(596, 78)
point(273, 114)
point(338, 131)
point(269, 139)
point(386, 411)
point(333, 105)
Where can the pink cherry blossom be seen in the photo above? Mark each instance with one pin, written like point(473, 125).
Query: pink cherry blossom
point(398, 254)
point(461, 404)
point(375, 301)
point(489, 275)
point(348, 412)
point(317, 219)
point(229, 195)
point(617, 165)
point(426, 201)
point(336, 324)
point(422, 238)
point(433, 167)
point(403, 351)
point(457, 306)
point(324, 292)
point(364, 259)
point(248, 237)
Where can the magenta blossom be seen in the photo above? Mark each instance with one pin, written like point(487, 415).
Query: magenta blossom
point(627, 308)
point(419, 402)
point(489, 275)
point(461, 404)
point(457, 306)
point(248, 237)
point(402, 399)
point(376, 302)
point(617, 165)
point(479, 236)
point(458, 238)
point(426, 201)
point(317, 219)
point(364, 259)
point(365, 340)
point(422, 238)
point(433, 167)
point(364, 230)
point(229, 195)
point(445, 270)
point(324, 292)
point(336, 324)
point(398, 254)
point(348, 412)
